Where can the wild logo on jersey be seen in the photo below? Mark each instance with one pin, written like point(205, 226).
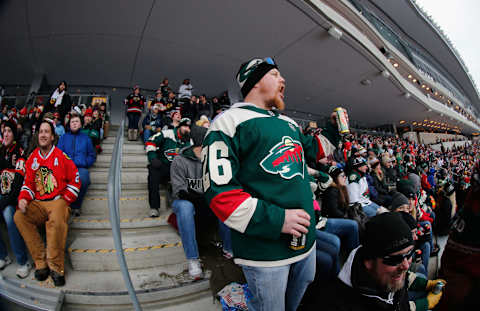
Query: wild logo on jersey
point(171, 153)
point(45, 182)
point(285, 158)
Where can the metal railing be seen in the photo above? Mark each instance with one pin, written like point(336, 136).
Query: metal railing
point(78, 99)
point(114, 188)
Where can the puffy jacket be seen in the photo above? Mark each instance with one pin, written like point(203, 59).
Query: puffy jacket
point(78, 146)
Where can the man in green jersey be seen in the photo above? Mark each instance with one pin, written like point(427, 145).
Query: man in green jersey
point(255, 181)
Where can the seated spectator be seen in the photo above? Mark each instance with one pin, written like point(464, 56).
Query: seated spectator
point(204, 108)
point(22, 136)
point(164, 87)
point(187, 190)
point(152, 123)
point(59, 129)
point(173, 121)
point(170, 103)
point(203, 122)
point(12, 170)
point(78, 146)
point(161, 149)
point(97, 122)
point(92, 129)
point(383, 198)
point(375, 275)
point(185, 91)
point(358, 187)
point(189, 107)
point(51, 184)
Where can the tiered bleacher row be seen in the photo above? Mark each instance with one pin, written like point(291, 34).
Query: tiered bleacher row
point(367, 175)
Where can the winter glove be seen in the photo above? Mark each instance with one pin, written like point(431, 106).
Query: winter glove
point(433, 299)
point(324, 182)
point(431, 284)
point(156, 163)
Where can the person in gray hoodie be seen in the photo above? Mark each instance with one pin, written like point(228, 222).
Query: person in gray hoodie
point(187, 191)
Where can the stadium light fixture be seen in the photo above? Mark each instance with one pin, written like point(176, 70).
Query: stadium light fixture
point(335, 32)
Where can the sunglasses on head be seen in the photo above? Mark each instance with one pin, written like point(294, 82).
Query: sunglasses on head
point(395, 260)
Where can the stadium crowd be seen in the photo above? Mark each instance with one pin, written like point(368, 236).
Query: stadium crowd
point(378, 202)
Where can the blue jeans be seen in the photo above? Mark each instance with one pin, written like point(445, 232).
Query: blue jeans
point(346, 230)
point(85, 180)
point(16, 240)
point(371, 209)
point(185, 212)
point(146, 135)
point(327, 255)
point(279, 288)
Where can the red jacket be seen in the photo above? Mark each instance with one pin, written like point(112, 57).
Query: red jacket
point(50, 176)
point(424, 181)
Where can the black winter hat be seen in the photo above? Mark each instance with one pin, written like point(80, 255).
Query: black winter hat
point(197, 134)
point(406, 188)
point(334, 171)
point(253, 71)
point(409, 220)
point(398, 199)
point(12, 126)
point(385, 234)
point(185, 121)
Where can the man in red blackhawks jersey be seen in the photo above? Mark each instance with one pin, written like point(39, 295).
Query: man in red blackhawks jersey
point(51, 184)
point(255, 180)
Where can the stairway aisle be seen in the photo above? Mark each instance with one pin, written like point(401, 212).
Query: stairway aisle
point(152, 249)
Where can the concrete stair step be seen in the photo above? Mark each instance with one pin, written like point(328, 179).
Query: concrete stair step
point(128, 161)
point(97, 253)
point(141, 220)
point(136, 148)
point(160, 288)
point(129, 176)
point(133, 204)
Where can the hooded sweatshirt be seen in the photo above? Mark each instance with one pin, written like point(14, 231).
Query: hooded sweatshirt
point(186, 174)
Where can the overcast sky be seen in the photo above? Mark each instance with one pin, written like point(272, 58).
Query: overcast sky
point(460, 20)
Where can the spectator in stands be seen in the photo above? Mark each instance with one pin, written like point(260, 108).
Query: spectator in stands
point(170, 102)
point(204, 108)
point(12, 171)
point(92, 129)
point(189, 108)
point(358, 187)
point(161, 149)
point(135, 103)
point(253, 188)
point(60, 100)
point(187, 190)
point(185, 91)
point(375, 275)
point(164, 87)
point(51, 184)
point(59, 129)
point(106, 119)
point(173, 121)
point(22, 137)
point(78, 146)
point(384, 197)
point(152, 123)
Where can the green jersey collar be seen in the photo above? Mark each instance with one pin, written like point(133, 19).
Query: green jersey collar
point(252, 107)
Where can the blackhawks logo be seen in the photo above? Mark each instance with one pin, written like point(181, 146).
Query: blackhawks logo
point(285, 158)
point(45, 182)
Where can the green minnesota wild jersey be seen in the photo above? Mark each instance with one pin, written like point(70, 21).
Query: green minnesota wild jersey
point(165, 145)
point(255, 167)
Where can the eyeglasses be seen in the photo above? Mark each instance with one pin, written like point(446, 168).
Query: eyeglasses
point(395, 260)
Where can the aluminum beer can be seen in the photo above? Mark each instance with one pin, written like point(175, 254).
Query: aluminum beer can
point(342, 123)
point(298, 243)
point(438, 288)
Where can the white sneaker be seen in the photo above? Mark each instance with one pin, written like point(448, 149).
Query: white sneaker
point(195, 269)
point(5, 262)
point(24, 271)
point(154, 212)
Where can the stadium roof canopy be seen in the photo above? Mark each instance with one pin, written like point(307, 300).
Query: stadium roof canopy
point(120, 43)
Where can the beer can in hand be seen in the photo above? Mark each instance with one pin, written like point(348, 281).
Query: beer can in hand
point(438, 288)
point(341, 118)
point(298, 243)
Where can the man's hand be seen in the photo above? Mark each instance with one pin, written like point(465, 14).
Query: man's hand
point(296, 222)
point(148, 127)
point(22, 205)
point(431, 284)
point(433, 299)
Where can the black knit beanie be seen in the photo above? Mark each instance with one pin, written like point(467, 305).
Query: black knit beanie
point(385, 234)
point(12, 126)
point(251, 72)
point(398, 199)
point(409, 220)
point(197, 134)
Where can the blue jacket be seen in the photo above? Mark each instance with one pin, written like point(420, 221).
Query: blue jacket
point(79, 147)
